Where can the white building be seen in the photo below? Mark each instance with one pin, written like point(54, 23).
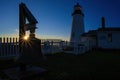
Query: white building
point(89, 40)
point(109, 38)
point(105, 38)
point(77, 25)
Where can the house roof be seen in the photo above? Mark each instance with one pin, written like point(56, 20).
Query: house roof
point(109, 29)
point(91, 33)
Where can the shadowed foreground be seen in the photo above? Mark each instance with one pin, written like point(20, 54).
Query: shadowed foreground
point(95, 65)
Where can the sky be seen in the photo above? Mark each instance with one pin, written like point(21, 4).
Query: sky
point(54, 16)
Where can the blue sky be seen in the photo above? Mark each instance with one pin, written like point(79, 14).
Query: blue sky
point(54, 16)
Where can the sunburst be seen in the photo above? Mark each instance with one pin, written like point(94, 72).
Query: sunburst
point(24, 42)
point(25, 37)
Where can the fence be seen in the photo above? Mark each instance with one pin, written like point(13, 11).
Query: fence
point(9, 47)
point(53, 46)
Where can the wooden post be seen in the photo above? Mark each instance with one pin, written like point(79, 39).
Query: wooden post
point(13, 52)
point(10, 46)
point(0, 46)
point(4, 46)
point(16, 46)
point(7, 46)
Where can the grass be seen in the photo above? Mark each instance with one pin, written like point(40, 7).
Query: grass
point(94, 65)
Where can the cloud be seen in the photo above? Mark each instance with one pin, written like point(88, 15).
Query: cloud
point(16, 30)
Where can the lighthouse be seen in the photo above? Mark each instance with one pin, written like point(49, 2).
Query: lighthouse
point(77, 25)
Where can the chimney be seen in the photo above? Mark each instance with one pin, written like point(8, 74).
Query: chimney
point(103, 23)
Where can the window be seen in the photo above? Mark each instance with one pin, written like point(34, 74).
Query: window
point(109, 37)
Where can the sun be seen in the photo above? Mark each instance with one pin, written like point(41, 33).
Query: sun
point(25, 37)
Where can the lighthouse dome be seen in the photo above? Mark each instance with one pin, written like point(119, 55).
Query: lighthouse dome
point(77, 9)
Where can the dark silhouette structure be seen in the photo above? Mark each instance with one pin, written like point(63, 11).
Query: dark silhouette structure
point(24, 14)
point(30, 49)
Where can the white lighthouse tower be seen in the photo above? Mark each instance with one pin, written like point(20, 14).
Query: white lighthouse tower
point(77, 25)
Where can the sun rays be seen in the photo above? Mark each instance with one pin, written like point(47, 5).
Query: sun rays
point(25, 37)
